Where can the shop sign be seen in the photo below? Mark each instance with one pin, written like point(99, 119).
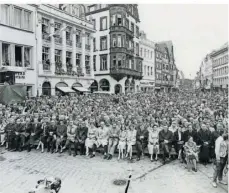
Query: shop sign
point(20, 75)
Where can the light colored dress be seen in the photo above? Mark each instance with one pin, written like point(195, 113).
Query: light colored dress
point(131, 137)
point(122, 139)
point(153, 144)
point(91, 137)
point(102, 136)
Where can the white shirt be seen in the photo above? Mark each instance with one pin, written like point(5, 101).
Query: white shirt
point(217, 147)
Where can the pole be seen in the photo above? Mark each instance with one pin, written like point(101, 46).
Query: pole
point(128, 183)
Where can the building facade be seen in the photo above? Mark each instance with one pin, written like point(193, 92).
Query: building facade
point(147, 52)
point(165, 68)
point(116, 60)
point(64, 48)
point(220, 67)
point(18, 45)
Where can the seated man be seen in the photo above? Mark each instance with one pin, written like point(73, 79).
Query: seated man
point(35, 133)
point(141, 141)
point(113, 135)
point(165, 141)
point(91, 138)
point(18, 131)
point(71, 138)
point(10, 134)
point(61, 136)
point(51, 140)
point(81, 136)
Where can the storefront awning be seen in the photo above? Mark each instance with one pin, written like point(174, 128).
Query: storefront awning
point(12, 69)
point(66, 89)
point(81, 89)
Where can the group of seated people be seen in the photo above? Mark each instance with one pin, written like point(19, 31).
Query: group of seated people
point(175, 125)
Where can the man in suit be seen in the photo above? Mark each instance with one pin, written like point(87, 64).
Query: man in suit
point(165, 141)
point(18, 130)
point(81, 136)
point(61, 134)
point(190, 132)
point(35, 133)
point(25, 133)
point(141, 141)
point(10, 134)
point(178, 141)
point(51, 140)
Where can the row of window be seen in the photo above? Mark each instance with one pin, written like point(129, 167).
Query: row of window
point(117, 20)
point(58, 27)
point(117, 62)
point(148, 71)
point(162, 66)
point(164, 77)
point(220, 61)
point(222, 80)
point(160, 55)
point(147, 53)
point(58, 57)
point(220, 71)
point(16, 55)
point(16, 17)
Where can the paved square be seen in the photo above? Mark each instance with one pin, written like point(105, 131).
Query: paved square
point(20, 171)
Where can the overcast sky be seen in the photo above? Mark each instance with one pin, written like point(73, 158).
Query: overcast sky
point(194, 29)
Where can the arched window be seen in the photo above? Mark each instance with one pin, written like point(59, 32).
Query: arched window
point(46, 88)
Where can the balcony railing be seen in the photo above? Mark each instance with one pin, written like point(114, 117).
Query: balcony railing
point(87, 47)
point(58, 40)
point(46, 37)
point(122, 49)
point(78, 45)
point(120, 72)
point(69, 42)
point(122, 29)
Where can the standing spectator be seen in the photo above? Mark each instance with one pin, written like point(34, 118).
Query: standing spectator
point(221, 152)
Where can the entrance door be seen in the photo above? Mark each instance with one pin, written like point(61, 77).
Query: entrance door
point(118, 89)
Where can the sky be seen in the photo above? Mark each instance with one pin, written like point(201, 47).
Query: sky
point(195, 30)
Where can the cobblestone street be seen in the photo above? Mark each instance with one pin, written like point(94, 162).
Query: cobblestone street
point(20, 171)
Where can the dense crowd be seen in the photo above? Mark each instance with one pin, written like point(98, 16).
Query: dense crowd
point(185, 125)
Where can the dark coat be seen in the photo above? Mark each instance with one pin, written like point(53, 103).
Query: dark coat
point(81, 133)
point(193, 133)
point(165, 136)
point(140, 133)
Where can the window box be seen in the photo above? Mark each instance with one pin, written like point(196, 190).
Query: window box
point(78, 45)
point(87, 47)
point(46, 65)
point(58, 40)
point(69, 42)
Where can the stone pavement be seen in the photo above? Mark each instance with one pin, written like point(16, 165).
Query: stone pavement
point(20, 171)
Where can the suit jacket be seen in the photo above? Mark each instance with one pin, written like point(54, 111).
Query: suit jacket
point(144, 133)
point(176, 136)
point(36, 128)
point(52, 128)
point(62, 130)
point(165, 136)
point(204, 136)
point(81, 133)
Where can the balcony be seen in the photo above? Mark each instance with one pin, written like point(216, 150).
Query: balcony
point(46, 37)
point(58, 40)
point(121, 29)
point(78, 45)
point(69, 42)
point(87, 47)
point(119, 73)
point(128, 51)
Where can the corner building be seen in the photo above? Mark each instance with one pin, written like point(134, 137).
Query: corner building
point(116, 60)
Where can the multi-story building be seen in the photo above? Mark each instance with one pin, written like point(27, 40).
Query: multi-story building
point(165, 68)
point(147, 52)
point(220, 67)
point(64, 48)
point(18, 45)
point(117, 64)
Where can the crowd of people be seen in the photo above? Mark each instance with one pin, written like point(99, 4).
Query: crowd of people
point(185, 125)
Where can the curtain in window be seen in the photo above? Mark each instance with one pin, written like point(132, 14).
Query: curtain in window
point(27, 20)
point(27, 57)
point(17, 17)
point(5, 14)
